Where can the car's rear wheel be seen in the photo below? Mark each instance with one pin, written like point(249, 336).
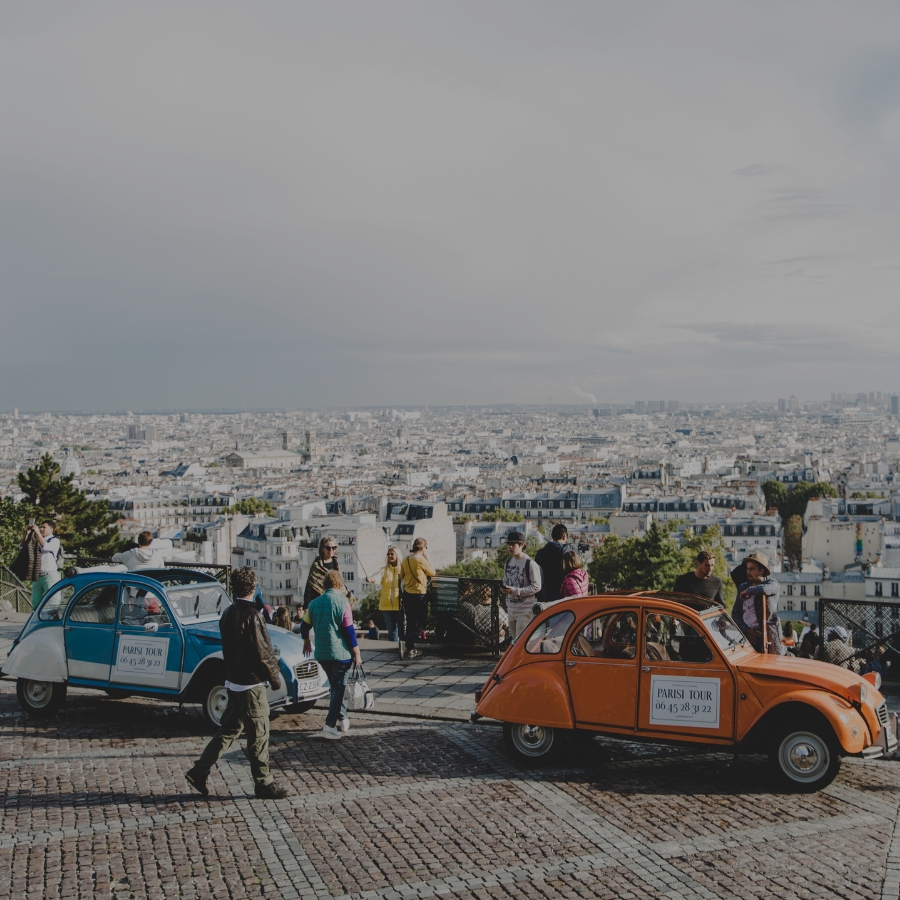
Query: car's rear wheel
point(303, 706)
point(805, 755)
point(40, 698)
point(215, 699)
point(531, 744)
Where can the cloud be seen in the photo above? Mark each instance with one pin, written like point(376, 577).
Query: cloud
point(758, 170)
point(444, 203)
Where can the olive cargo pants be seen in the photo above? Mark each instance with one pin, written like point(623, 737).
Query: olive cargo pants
point(246, 710)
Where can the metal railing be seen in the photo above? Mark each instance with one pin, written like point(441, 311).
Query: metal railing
point(468, 613)
point(14, 595)
point(873, 628)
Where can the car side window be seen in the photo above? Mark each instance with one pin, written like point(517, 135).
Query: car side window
point(670, 639)
point(54, 607)
point(141, 606)
point(612, 636)
point(96, 606)
point(548, 637)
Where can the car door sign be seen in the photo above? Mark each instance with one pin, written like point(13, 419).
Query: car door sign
point(690, 702)
point(139, 657)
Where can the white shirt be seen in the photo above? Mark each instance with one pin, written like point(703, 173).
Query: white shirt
point(750, 612)
point(48, 555)
point(239, 688)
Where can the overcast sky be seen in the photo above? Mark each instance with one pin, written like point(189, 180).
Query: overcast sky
point(333, 204)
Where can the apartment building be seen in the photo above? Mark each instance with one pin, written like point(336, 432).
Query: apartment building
point(168, 510)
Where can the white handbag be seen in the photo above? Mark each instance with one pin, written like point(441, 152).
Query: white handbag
point(358, 695)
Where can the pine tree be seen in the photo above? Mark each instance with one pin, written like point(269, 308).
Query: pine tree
point(84, 527)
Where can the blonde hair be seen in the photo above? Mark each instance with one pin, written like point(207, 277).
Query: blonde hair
point(571, 561)
point(333, 580)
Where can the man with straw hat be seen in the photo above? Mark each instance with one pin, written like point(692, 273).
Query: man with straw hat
point(757, 603)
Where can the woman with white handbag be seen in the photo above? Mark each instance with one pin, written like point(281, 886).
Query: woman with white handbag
point(331, 618)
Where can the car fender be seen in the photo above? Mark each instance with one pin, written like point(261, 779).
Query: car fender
point(40, 656)
point(195, 678)
point(843, 717)
point(536, 694)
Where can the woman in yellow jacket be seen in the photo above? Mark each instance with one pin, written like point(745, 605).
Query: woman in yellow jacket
point(389, 604)
point(415, 571)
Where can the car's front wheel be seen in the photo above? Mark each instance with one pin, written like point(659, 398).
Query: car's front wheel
point(303, 706)
point(40, 698)
point(805, 755)
point(215, 699)
point(531, 744)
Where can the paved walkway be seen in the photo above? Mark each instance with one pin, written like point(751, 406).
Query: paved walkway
point(414, 803)
point(435, 685)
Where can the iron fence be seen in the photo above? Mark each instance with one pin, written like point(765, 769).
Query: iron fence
point(468, 613)
point(874, 632)
point(14, 595)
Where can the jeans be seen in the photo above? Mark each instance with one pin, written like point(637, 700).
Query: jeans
point(416, 608)
point(392, 623)
point(337, 670)
point(518, 622)
point(246, 710)
point(41, 586)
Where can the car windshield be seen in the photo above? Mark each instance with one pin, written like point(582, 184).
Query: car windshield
point(198, 602)
point(726, 634)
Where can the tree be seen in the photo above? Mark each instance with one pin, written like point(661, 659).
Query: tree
point(502, 515)
point(793, 502)
point(250, 506)
point(650, 563)
point(793, 540)
point(13, 521)
point(775, 493)
point(802, 493)
point(84, 527)
point(474, 568)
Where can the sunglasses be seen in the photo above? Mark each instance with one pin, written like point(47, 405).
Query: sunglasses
point(331, 546)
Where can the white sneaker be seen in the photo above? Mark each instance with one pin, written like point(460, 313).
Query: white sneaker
point(333, 734)
point(344, 725)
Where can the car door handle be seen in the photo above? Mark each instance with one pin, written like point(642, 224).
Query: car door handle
point(68, 627)
point(645, 668)
point(570, 664)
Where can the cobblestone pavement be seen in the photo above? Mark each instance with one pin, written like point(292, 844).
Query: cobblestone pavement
point(95, 806)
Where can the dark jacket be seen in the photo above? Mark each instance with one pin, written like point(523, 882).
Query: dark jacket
point(248, 652)
point(549, 558)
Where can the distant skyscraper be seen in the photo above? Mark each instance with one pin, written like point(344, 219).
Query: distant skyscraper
point(135, 433)
point(782, 404)
point(674, 406)
point(895, 405)
point(640, 406)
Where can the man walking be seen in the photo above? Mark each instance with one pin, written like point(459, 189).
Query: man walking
point(250, 665)
point(521, 582)
point(43, 550)
point(550, 559)
point(701, 582)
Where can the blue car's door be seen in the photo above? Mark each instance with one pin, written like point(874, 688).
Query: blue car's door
point(90, 632)
point(149, 643)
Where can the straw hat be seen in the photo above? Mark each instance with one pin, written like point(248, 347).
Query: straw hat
point(761, 560)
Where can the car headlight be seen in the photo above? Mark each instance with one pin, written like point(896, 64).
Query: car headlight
point(858, 693)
